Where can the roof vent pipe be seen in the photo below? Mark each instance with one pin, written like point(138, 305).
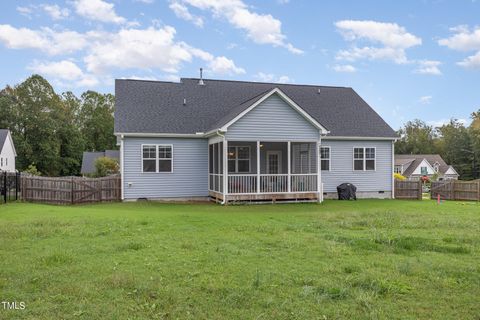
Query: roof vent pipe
point(184, 101)
point(200, 82)
point(318, 91)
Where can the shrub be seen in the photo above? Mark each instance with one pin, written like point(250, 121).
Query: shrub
point(398, 176)
point(105, 166)
point(32, 169)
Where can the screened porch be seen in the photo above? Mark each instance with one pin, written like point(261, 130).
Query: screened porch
point(262, 170)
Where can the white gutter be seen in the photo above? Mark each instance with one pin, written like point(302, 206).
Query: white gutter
point(161, 135)
point(359, 138)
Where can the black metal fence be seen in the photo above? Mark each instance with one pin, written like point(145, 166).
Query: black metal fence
point(10, 185)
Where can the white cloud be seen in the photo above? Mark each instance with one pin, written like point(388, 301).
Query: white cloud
point(442, 122)
point(260, 28)
point(135, 48)
point(270, 77)
point(430, 67)
point(64, 72)
point(55, 12)
point(223, 65)
point(344, 68)
point(46, 40)
point(465, 40)
point(182, 12)
point(25, 11)
point(425, 99)
point(471, 62)
point(392, 38)
point(149, 48)
point(98, 10)
point(145, 1)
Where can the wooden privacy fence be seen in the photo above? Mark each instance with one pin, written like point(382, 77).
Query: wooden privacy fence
point(70, 190)
point(408, 189)
point(456, 190)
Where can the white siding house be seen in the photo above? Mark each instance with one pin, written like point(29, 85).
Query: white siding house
point(7, 151)
point(416, 166)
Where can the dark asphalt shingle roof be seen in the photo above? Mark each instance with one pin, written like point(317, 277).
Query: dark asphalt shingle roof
point(3, 137)
point(157, 107)
point(88, 160)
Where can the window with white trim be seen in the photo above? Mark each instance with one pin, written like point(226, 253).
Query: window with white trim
point(364, 159)
point(238, 159)
point(325, 158)
point(157, 158)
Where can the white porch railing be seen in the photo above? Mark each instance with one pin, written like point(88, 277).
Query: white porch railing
point(273, 183)
point(304, 182)
point(270, 183)
point(216, 182)
point(242, 183)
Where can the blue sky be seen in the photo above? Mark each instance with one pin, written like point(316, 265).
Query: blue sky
point(407, 59)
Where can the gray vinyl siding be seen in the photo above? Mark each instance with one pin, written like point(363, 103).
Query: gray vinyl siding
point(341, 166)
point(273, 119)
point(188, 179)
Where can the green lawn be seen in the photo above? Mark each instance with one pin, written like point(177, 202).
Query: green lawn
point(369, 259)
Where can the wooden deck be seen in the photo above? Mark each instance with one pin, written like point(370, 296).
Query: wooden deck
point(265, 197)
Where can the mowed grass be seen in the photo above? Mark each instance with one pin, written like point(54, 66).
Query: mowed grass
point(369, 259)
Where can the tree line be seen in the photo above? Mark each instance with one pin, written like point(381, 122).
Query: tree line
point(459, 145)
point(50, 131)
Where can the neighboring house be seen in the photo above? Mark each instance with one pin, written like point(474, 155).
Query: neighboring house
point(89, 158)
point(7, 151)
point(415, 166)
point(234, 140)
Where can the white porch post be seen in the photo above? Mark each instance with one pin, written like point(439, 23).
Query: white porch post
point(258, 166)
point(319, 172)
point(225, 169)
point(393, 169)
point(289, 165)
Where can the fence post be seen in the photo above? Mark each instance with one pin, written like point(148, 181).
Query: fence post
point(16, 186)
point(5, 186)
point(478, 190)
point(71, 190)
point(420, 189)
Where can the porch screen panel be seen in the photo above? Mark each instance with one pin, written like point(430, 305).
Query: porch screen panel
point(304, 158)
point(210, 155)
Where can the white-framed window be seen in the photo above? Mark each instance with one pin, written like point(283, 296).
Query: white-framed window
point(239, 159)
point(157, 158)
point(364, 159)
point(398, 169)
point(325, 158)
point(1, 162)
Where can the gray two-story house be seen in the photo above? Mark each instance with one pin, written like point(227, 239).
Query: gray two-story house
point(249, 141)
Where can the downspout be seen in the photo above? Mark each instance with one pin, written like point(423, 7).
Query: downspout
point(320, 184)
point(224, 166)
